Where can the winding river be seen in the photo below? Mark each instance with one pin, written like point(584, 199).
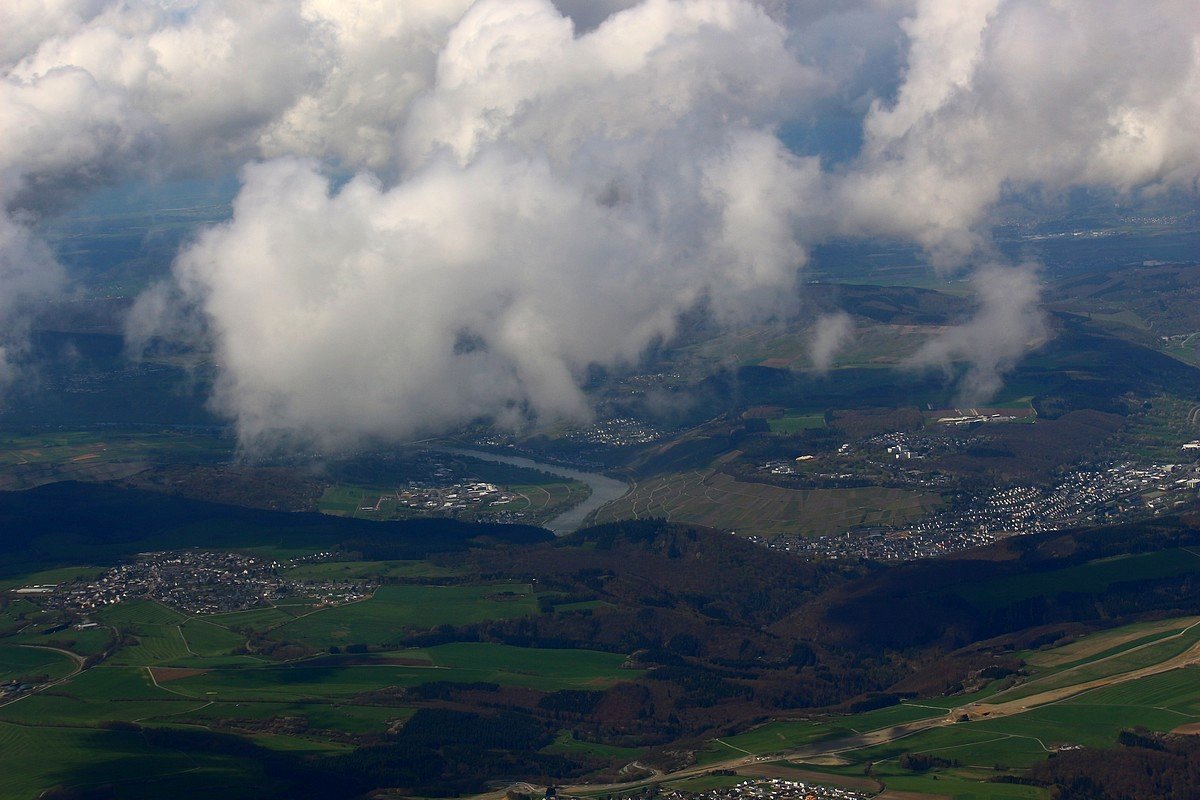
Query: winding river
point(604, 489)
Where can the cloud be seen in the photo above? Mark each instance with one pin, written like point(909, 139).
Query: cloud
point(540, 226)
point(508, 192)
point(28, 274)
point(1004, 97)
point(830, 333)
point(96, 93)
point(1008, 323)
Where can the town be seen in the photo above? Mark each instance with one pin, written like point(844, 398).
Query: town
point(1089, 495)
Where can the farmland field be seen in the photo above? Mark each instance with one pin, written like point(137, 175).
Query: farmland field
point(204, 638)
point(1123, 660)
point(17, 662)
point(154, 629)
point(334, 679)
point(257, 619)
point(393, 610)
point(35, 758)
point(784, 735)
point(1104, 643)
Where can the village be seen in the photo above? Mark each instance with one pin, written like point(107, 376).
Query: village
point(616, 432)
point(196, 582)
point(771, 789)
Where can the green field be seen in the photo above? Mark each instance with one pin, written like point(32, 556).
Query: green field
point(33, 759)
point(568, 744)
point(153, 630)
point(205, 638)
point(957, 784)
point(387, 617)
point(254, 619)
point(340, 679)
point(1094, 718)
point(17, 662)
point(704, 783)
point(791, 424)
point(1123, 660)
point(782, 735)
point(98, 695)
point(1101, 644)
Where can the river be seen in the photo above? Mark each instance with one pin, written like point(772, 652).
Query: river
point(604, 489)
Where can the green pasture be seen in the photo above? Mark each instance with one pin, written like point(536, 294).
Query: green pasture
point(539, 668)
point(782, 735)
point(387, 617)
point(253, 619)
point(205, 638)
point(33, 759)
point(959, 787)
point(154, 628)
point(969, 743)
point(341, 679)
point(98, 695)
point(85, 642)
point(567, 744)
point(1095, 718)
point(704, 783)
point(139, 612)
point(69, 710)
point(1177, 691)
point(28, 460)
point(18, 662)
